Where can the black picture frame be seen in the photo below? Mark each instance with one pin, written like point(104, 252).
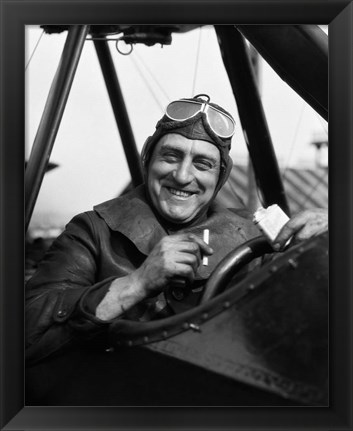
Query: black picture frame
point(14, 16)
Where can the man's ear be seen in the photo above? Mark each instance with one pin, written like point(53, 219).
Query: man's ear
point(227, 171)
point(144, 152)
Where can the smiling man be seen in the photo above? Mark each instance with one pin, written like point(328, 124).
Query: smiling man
point(139, 256)
point(182, 177)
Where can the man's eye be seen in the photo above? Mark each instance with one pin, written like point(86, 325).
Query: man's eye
point(170, 157)
point(203, 165)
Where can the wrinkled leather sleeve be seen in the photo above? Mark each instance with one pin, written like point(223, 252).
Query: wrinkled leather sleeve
point(62, 295)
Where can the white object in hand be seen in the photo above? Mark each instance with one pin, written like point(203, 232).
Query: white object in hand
point(270, 220)
point(206, 238)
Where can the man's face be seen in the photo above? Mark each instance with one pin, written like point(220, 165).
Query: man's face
point(182, 176)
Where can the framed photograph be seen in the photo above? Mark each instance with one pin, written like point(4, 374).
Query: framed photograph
point(178, 372)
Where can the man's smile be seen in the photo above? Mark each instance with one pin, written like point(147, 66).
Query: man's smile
point(183, 194)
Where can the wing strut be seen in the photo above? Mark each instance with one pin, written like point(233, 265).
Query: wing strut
point(55, 106)
point(119, 109)
point(52, 115)
point(252, 117)
point(299, 55)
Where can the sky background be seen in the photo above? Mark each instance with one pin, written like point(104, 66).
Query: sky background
point(92, 166)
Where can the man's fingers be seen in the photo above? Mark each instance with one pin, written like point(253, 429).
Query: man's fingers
point(190, 259)
point(188, 246)
point(285, 234)
point(291, 228)
point(302, 226)
point(205, 248)
point(188, 239)
point(186, 272)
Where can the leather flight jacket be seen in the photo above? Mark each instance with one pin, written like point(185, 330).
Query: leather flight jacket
point(95, 248)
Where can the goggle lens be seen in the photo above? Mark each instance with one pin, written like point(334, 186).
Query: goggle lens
point(182, 111)
point(221, 124)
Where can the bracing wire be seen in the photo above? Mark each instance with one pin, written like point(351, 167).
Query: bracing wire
point(309, 194)
point(152, 76)
point(314, 188)
point(147, 83)
point(34, 50)
point(196, 62)
point(294, 139)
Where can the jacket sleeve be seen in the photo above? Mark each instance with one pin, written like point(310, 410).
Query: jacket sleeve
point(62, 295)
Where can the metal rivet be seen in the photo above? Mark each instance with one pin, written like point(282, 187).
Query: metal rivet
point(293, 263)
point(226, 304)
point(251, 287)
point(205, 316)
point(194, 327)
point(145, 339)
point(185, 325)
point(129, 343)
point(273, 268)
point(165, 334)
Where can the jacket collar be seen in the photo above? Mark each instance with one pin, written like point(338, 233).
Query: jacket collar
point(131, 215)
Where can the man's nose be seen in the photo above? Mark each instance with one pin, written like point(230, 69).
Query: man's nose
point(183, 173)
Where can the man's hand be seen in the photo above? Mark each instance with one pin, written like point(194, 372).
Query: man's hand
point(302, 226)
point(174, 257)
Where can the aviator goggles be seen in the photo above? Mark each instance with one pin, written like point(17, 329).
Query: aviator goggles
point(221, 124)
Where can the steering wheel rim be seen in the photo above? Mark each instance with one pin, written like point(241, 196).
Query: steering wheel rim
point(234, 261)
